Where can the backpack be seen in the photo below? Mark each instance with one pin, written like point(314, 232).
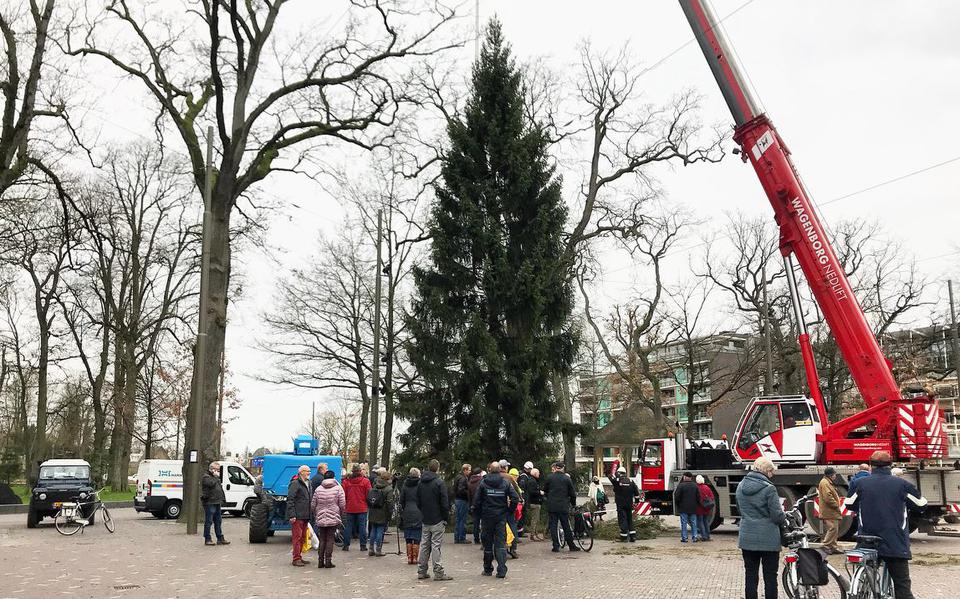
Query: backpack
point(706, 502)
point(376, 498)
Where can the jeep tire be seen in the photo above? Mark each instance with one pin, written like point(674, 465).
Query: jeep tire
point(32, 518)
point(259, 522)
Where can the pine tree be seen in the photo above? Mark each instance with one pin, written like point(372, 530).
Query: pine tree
point(491, 324)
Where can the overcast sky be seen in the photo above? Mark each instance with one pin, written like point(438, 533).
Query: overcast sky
point(861, 91)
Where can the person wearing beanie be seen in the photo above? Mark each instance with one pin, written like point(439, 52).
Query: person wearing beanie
point(380, 505)
point(705, 509)
point(327, 505)
point(829, 500)
point(625, 492)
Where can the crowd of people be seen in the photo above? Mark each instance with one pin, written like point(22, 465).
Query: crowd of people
point(505, 504)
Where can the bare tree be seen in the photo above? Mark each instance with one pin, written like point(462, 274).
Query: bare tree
point(346, 88)
point(25, 29)
point(703, 346)
point(39, 245)
point(752, 276)
point(637, 330)
point(322, 324)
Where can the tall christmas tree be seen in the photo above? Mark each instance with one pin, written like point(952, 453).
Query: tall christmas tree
point(490, 324)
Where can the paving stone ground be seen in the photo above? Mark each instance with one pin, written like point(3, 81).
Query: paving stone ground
point(154, 558)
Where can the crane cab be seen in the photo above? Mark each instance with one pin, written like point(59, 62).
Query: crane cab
point(785, 429)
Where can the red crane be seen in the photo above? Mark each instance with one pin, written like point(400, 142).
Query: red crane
point(908, 427)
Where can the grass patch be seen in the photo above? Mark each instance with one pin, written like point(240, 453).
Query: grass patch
point(936, 559)
point(627, 549)
point(23, 492)
point(647, 528)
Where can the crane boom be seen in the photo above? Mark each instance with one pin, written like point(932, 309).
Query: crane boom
point(911, 427)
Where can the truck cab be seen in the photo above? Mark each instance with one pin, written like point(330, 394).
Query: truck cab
point(58, 481)
point(784, 429)
point(160, 488)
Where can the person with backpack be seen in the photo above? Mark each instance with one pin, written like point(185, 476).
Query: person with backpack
point(705, 508)
point(534, 501)
point(624, 492)
point(495, 499)
point(380, 505)
point(686, 497)
point(355, 487)
point(598, 497)
point(461, 495)
point(411, 520)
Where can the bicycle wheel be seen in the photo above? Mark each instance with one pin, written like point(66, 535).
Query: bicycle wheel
point(585, 538)
point(66, 526)
point(561, 538)
point(862, 584)
point(107, 520)
point(790, 581)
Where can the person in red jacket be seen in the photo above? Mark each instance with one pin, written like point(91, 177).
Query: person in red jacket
point(355, 487)
point(705, 508)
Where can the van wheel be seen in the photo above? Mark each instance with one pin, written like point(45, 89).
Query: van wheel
point(171, 509)
point(259, 523)
point(32, 518)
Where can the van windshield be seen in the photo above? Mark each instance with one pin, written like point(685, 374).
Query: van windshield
point(64, 472)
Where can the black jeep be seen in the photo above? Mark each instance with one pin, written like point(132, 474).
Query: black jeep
point(58, 481)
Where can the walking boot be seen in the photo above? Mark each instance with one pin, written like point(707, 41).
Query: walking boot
point(379, 552)
point(372, 552)
point(416, 554)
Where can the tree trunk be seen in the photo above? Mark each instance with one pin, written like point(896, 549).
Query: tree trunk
point(364, 422)
point(38, 448)
point(388, 381)
point(561, 388)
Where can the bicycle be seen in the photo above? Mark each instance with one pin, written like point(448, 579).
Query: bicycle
point(870, 578)
point(71, 518)
point(792, 579)
point(581, 529)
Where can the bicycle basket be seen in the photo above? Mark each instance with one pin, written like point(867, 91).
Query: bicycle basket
point(812, 567)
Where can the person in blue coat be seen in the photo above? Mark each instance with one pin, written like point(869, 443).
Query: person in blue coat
point(862, 472)
point(882, 502)
point(761, 514)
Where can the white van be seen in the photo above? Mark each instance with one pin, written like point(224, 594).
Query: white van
point(160, 488)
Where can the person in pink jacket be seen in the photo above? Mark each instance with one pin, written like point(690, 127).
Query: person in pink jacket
point(327, 505)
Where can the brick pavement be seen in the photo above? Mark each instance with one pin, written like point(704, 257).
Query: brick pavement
point(161, 561)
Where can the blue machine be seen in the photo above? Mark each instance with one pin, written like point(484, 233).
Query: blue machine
point(269, 514)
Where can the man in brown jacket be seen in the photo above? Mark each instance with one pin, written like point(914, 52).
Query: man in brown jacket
point(829, 510)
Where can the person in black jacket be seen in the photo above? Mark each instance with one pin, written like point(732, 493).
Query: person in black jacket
point(212, 497)
point(298, 511)
point(317, 479)
point(523, 479)
point(495, 498)
point(686, 498)
point(559, 496)
point(625, 491)
point(410, 517)
point(461, 498)
point(434, 504)
point(881, 502)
